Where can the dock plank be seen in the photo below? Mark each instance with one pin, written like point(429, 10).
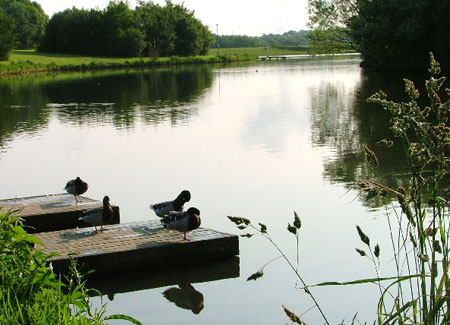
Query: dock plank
point(53, 211)
point(134, 246)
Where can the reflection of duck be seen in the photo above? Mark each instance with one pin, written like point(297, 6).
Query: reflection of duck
point(185, 297)
point(182, 221)
point(99, 216)
point(76, 187)
point(162, 209)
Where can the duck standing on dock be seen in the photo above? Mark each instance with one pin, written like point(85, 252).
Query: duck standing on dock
point(164, 208)
point(76, 187)
point(99, 216)
point(182, 221)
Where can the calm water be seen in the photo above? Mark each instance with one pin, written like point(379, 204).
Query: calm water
point(258, 140)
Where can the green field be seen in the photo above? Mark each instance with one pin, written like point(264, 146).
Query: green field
point(22, 61)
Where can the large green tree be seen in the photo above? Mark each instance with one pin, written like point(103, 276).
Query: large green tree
point(7, 37)
point(172, 30)
point(390, 34)
point(156, 22)
point(29, 21)
point(121, 35)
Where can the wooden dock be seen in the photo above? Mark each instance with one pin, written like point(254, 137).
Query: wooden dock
point(52, 212)
point(134, 246)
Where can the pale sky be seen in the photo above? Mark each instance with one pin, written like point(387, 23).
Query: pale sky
point(233, 17)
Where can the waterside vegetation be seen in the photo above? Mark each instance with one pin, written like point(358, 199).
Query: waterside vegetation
point(30, 293)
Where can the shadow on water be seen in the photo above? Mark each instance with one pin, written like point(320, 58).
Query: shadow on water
point(179, 277)
point(185, 296)
point(120, 98)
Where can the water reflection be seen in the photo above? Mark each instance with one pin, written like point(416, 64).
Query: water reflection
point(118, 98)
point(182, 275)
point(340, 118)
point(186, 297)
point(22, 108)
point(343, 121)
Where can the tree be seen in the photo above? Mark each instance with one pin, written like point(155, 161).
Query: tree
point(390, 34)
point(158, 28)
point(7, 37)
point(29, 21)
point(121, 34)
point(328, 21)
point(172, 30)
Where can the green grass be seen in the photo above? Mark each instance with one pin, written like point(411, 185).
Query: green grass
point(23, 61)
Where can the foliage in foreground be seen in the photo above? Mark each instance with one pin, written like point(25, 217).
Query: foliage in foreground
point(420, 233)
point(419, 292)
point(30, 293)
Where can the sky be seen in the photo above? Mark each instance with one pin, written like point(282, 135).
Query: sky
point(228, 17)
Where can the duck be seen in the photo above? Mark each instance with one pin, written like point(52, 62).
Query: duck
point(76, 187)
point(99, 216)
point(164, 208)
point(186, 297)
point(182, 221)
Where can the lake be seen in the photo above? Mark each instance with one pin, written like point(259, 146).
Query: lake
point(257, 140)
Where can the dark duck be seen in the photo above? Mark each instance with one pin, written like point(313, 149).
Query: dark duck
point(162, 209)
point(76, 187)
point(182, 221)
point(99, 216)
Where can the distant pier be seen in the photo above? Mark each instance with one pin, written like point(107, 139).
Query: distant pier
point(304, 56)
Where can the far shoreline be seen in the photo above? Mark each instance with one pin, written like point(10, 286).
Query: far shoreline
point(30, 61)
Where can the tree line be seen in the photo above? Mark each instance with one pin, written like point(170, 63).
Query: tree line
point(390, 34)
point(290, 38)
point(149, 29)
point(22, 25)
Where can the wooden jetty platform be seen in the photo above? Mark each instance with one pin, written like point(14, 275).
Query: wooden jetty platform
point(52, 212)
point(133, 246)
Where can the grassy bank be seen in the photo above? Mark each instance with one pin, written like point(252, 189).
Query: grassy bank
point(25, 61)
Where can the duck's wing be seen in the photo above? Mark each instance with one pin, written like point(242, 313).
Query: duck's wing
point(177, 221)
point(93, 216)
point(162, 209)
